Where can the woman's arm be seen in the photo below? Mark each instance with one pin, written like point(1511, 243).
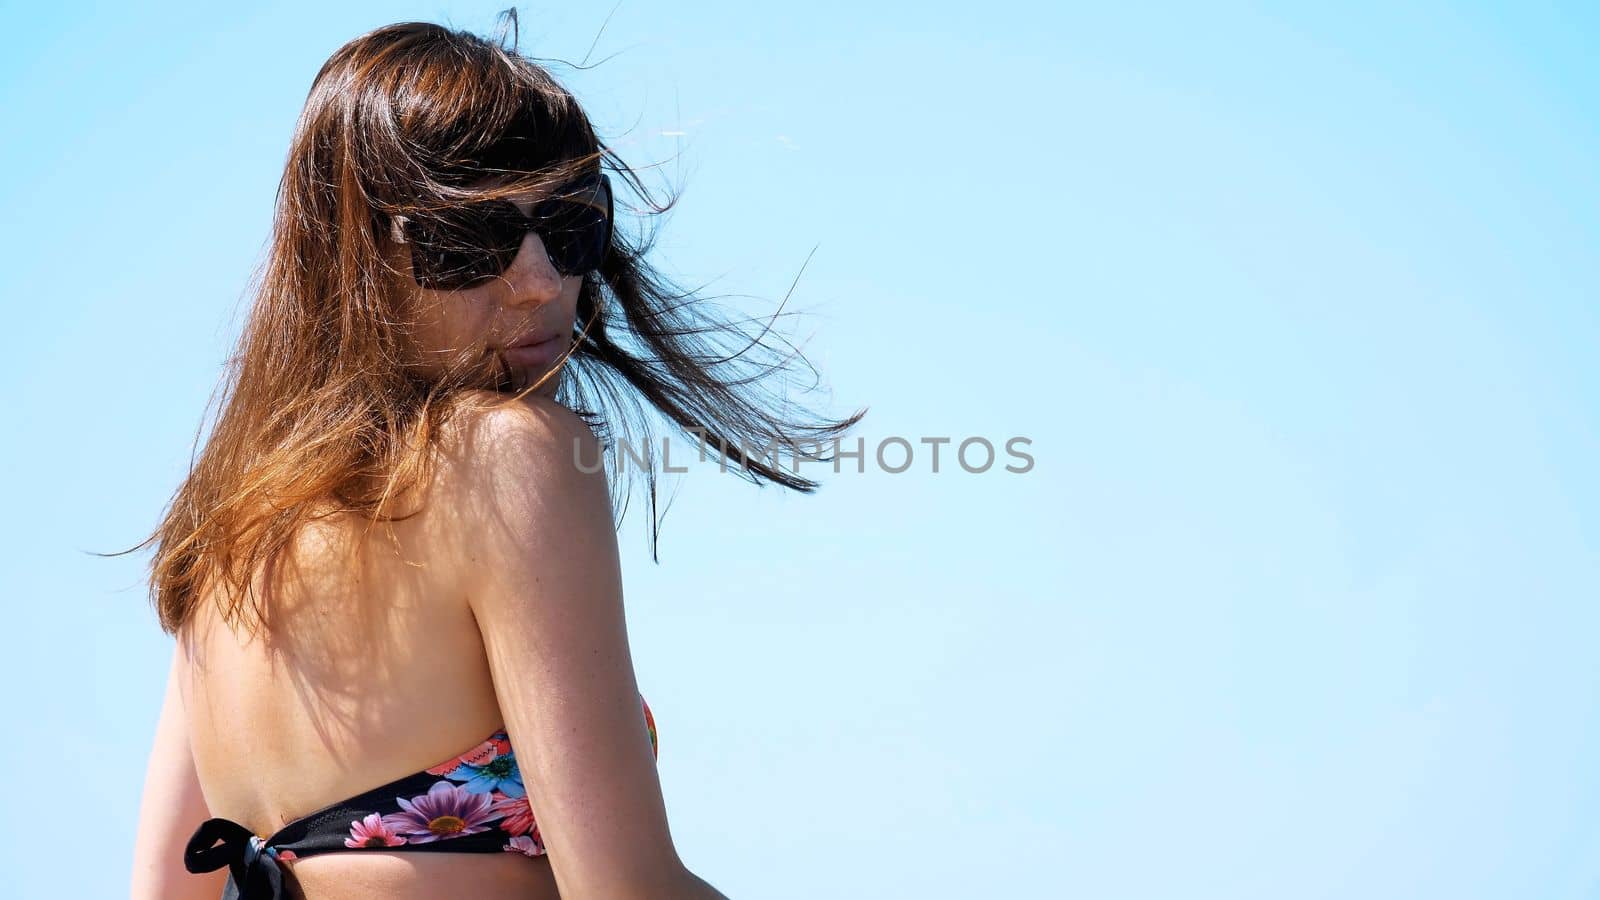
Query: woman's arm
point(536, 534)
point(170, 811)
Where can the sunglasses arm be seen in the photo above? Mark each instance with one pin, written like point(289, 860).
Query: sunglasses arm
point(397, 229)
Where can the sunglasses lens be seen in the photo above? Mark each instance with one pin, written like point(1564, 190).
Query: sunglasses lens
point(462, 247)
point(576, 226)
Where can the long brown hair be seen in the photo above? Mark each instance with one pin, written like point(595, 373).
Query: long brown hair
point(317, 413)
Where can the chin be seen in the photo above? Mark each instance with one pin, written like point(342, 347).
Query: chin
point(548, 389)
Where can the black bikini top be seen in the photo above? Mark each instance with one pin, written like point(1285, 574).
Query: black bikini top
point(473, 802)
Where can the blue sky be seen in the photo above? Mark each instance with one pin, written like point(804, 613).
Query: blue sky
point(1295, 304)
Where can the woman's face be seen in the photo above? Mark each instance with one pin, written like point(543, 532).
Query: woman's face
point(530, 300)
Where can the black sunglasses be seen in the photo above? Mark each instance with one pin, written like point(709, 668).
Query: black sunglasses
point(465, 245)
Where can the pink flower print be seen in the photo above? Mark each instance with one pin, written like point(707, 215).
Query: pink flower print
point(528, 845)
point(372, 831)
point(445, 811)
point(518, 814)
point(650, 726)
point(498, 744)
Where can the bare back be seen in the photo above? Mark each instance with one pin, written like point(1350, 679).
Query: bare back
point(369, 669)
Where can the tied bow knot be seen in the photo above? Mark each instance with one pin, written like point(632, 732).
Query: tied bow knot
point(254, 867)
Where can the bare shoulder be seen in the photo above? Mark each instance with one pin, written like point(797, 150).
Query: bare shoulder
point(508, 467)
point(526, 509)
point(535, 546)
point(541, 576)
point(491, 440)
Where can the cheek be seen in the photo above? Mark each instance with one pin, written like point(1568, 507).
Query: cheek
point(469, 316)
point(446, 322)
point(459, 318)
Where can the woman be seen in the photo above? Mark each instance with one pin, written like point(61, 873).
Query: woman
point(401, 665)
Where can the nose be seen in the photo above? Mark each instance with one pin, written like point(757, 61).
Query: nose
point(532, 278)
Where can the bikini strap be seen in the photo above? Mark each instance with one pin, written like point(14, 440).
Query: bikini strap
point(254, 871)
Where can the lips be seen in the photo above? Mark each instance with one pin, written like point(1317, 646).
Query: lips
point(531, 339)
point(534, 350)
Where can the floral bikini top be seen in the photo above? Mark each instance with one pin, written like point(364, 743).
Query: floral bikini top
point(471, 803)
